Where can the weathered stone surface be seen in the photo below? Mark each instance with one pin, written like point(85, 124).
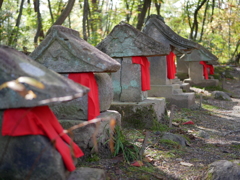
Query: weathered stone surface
point(223, 170)
point(78, 108)
point(143, 114)
point(126, 41)
point(156, 28)
point(127, 82)
point(201, 54)
point(15, 64)
point(83, 136)
point(196, 76)
point(176, 138)
point(158, 70)
point(105, 90)
point(173, 95)
point(31, 156)
point(221, 95)
point(64, 51)
point(86, 173)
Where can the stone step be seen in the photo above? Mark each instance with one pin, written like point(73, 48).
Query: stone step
point(177, 91)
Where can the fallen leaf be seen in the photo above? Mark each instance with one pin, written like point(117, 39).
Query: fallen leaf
point(137, 163)
point(188, 122)
point(186, 164)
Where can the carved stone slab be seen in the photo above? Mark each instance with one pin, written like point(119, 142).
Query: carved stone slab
point(126, 41)
point(156, 28)
point(14, 64)
point(64, 52)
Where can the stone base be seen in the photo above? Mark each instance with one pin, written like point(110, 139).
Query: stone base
point(185, 87)
point(202, 83)
point(143, 114)
point(83, 135)
point(173, 95)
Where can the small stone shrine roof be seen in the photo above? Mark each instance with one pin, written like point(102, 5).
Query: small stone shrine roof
point(126, 41)
point(64, 51)
point(201, 54)
point(14, 64)
point(168, 36)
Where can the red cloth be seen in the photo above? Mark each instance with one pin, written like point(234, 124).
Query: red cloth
point(40, 121)
point(88, 80)
point(205, 71)
point(211, 69)
point(145, 73)
point(171, 67)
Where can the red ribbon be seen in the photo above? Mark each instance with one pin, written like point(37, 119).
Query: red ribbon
point(88, 80)
point(145, 73)
point(171, 67)
point(40, 121)
point(205, 69)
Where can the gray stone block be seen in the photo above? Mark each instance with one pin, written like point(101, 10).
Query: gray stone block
point(83, 135)
point(143, 114)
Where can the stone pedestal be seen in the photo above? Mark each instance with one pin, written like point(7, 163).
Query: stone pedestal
point(161, 86)
point(143, 114)
point(83, 135)
point(196, 76)
point(182, 68)
point(127, 82)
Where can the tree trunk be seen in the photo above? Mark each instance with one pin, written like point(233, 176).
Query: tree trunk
point(85, 18)
point(14, 34)
point(1, 2)
point(39, 32)
point(194, 28)
point(65, 13)
point(204, 19)
point(50, 11)
point(142, 15)
point(158, 7)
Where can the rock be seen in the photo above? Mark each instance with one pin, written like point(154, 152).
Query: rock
point(175, 137)
point(223, 170)
point(203, 134)
point(221, 95)
point(85, 173)
point(30, 157)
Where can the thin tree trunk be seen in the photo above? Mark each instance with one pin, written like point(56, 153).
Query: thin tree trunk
point(1, 2)
point(14, 34)
point(50, 11)
point(158, 7)
point(194, 29)
point(85, 17)
point(142, 15)
point(204, 19)
point(39, 32)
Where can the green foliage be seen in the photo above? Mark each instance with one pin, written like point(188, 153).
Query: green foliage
point(157, 126)
point(93, 158)
point(130, 151)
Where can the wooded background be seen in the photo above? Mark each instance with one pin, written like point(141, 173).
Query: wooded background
point(215, 24)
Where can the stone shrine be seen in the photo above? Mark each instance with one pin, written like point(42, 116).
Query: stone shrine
point(27, 134)
point(130, 47)
point(198, 64)
point(161, 85)
point(65, 52)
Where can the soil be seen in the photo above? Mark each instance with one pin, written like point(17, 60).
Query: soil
point(215, 135)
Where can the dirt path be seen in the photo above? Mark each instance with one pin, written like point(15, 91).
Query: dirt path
point(209, 140)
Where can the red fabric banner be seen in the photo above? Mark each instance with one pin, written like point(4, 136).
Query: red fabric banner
point(171, 67)
point(88, 80)
point(145, 73)
point(40, 121)
point(205, 70)
point(211, 69)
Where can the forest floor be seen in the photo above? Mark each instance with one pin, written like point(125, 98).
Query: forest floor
point(210, 139)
